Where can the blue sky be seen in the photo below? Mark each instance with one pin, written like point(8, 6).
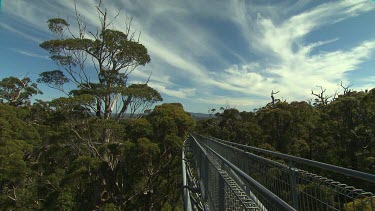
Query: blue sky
point(208, 53)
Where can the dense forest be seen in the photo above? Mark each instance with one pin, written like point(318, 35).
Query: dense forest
point(90, 149)
point(52, 154)
point(102, 147)
point(340, 131)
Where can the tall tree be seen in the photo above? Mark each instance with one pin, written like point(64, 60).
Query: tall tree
point(114, 55)
point(103, 164)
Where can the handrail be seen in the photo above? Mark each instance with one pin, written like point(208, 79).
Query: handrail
point(349, 172)
point(187, 202)
point(271, 196)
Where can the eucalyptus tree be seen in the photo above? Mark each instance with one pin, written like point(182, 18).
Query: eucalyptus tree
point(99, 63)
point(17, 91)
point(94, 68)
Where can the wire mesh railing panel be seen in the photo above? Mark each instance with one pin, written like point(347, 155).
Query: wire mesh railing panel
point(268, 174)
point(213, 186)
point(233, 202)
point(261, 200)
point(193, 199)
point(286, 178)
point(320, 193)
point(273, 202)
point(218, 190)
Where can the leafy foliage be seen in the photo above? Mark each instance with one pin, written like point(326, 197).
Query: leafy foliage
point(55, 79)
point(17, 142)
point(17, 92)
point(339, 132)
point(82, 152)
point(52, 158)
point(114, 54)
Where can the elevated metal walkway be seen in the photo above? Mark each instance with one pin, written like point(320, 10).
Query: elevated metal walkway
point(221, 175)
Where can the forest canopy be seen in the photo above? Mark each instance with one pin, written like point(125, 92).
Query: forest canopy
point(104, 145)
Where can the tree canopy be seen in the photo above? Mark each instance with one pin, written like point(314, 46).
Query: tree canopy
point(113, 54)
point(16, 91)
point(339, 132)
point(97, 148)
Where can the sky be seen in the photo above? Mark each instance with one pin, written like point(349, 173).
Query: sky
point(208, 54)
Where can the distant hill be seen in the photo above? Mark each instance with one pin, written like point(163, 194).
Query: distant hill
point(196, 116)
point(201, 115)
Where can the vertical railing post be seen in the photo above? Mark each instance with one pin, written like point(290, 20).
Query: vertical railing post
point(293, 183)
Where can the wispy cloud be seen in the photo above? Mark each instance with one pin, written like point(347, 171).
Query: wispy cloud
point(367, 84)
point(182, 93)
point(195, 51)
point(19, 32)
point(287, 64)
point(30, 54)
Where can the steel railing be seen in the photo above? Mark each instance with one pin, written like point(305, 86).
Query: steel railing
point(218, 182)
point(270, 180)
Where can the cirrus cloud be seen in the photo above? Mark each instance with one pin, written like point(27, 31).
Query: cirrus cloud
point(225, 51)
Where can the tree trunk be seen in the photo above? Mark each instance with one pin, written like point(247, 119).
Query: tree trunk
point(106, 135)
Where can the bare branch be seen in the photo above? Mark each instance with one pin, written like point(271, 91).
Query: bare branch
point(346, 88)
point(140, 32)
point(273, 98)
point(148, 79)
point(321, 97)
